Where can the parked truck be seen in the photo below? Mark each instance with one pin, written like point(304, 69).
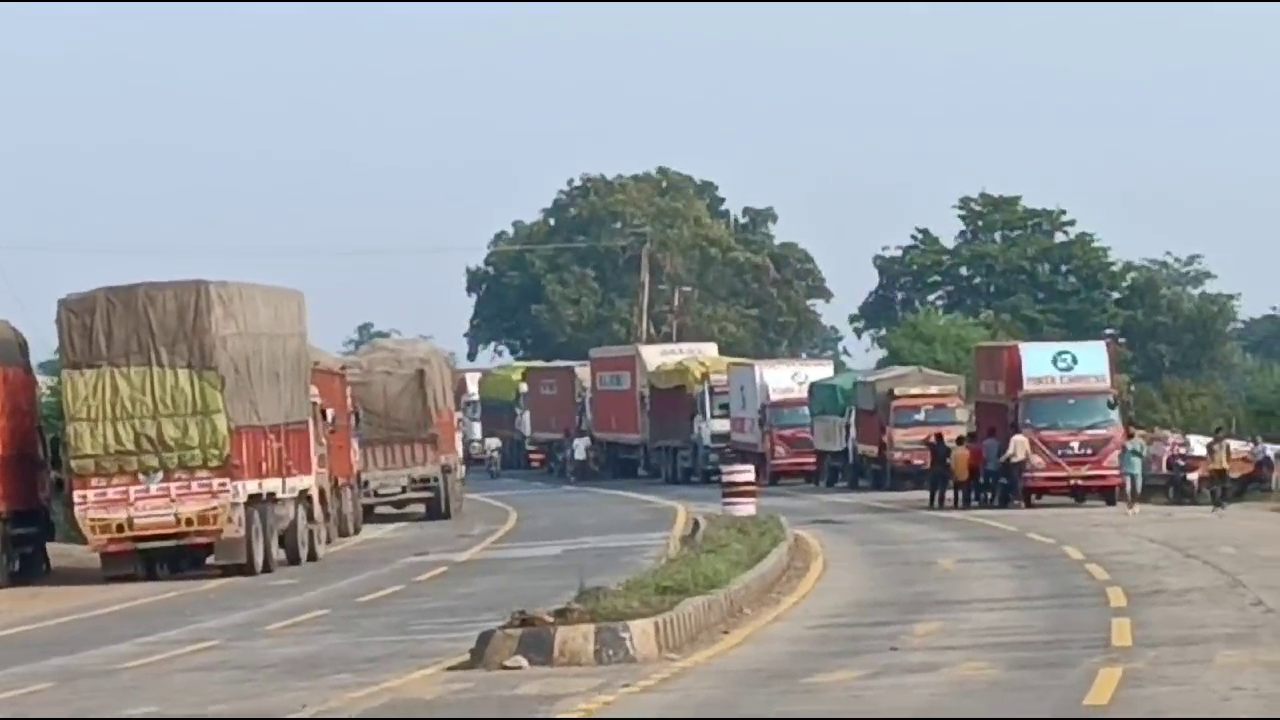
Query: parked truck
point(504, 412)
point(470, 420)
point(689, 418)
point(338, 467)
point(1064, 397)
point(831, 415)
point(556, 399)
point(403, 388)
point(769, 424)
point(619, 400)
point(191, 434)
point(896, 410)
point(25, 521)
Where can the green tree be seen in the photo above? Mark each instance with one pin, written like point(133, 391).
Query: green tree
point(937, 340)
point(1260, 336)
point(51, 417)
point(571, 279)
point(365, 333)
point(1027, 271)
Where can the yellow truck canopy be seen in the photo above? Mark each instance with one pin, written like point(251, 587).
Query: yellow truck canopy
point(689, 372)
point(502, 384)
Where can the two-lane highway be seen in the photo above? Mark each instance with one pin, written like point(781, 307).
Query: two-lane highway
point(293, 642)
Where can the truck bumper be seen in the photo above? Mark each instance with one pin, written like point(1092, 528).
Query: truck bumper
point(397, 492)
point(1070, 486)
point(794, 466)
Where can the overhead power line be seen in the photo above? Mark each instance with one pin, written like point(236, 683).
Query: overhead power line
point(259, 251)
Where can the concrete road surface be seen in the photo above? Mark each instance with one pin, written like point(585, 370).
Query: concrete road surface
point(410, 595)
point(1060, 611)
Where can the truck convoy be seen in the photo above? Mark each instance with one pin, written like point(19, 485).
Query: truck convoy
point(619, 400)
point(1063, 397)
point(191, 434)
point(556, 401)
point(689, 418)
point(25, 523)
point(467, 399)
point(338, 456)
point(403, 388)
point(769, 416)
point(896, 410)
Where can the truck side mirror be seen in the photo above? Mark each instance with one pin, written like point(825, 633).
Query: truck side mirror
point(1112, 403)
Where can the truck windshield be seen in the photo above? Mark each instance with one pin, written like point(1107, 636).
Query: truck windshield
point(720, 404)
point(471, 410)
point(1070, 412)
point(928, 416)
point(789, 416)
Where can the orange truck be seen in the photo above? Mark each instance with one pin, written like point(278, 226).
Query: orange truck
point(339, 465)
point(25, 523)
point(191, 434)
point(1063, 396)
point(408, 433)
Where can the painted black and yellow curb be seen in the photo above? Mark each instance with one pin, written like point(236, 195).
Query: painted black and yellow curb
point(633, 641)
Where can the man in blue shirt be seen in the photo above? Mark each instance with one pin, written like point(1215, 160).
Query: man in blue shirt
point(1133, 458)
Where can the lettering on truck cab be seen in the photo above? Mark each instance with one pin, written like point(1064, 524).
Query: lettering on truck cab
point(613, 380)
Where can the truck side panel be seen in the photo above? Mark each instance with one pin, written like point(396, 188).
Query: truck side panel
point(335, 395)
point(20, 457)
point(552, 401)
point(999, 371)
point(744, 408)
point(615, 399)
point(988, 414)
point(498, 418)
point(867, 425)
point(670, 415)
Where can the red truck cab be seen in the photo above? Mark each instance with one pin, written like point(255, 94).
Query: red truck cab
point(1063, 397)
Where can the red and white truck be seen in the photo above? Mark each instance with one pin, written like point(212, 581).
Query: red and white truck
point(191, 434)
point(338, 461)
point(25, 522)
point(769, 423)
point(1063, 396)
point(556, 398)
point(897, 410)
point(620, 397)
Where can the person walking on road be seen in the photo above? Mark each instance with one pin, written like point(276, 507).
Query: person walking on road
point(1219, 469)
point(1132, 462)
point(939, 471)
point(581, 446)
point(961, 475)
point(991, 466)
point(1016, 455)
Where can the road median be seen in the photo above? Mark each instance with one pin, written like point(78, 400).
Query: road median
point(722, 566)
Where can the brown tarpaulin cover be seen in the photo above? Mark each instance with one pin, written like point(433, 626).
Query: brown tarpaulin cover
point(403, 386)
point(253, 336)
point(13, 347)
point(327, 360)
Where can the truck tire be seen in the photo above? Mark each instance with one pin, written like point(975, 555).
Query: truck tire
point(357, 512)
point(297, 535)
point(1111, 496)
point(457, 496)
point(1028, 499)
point(438, 507)
point(345, 513)
point(254, 541)
point(318, 546)
point(6, 558)
point(271, 533)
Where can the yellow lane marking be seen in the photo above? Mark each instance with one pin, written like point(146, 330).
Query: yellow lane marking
point(947, 564)
point(380, 594)
point(1042, 538)
point(677, 527)
point(19, 692)
point(925, 629)
point(507, 526)
point(197, 587)
point(1072, 553)
point(1121, 632)
point(974, 669)
point(295, 620)
point(1104, 686)
point(731, 640)
point(179, 652)
point(1116, 597)
point(835, 676)
point(1097, 572)
point(431, 573)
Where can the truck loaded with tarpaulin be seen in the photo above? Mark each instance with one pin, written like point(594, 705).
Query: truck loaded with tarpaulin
point(190, 430)
point(340, 463)
point(403, 391)
point(25, 523)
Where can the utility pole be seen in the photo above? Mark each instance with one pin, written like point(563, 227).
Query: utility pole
point(642, 334)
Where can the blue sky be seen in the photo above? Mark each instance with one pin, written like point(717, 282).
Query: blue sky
point(366, 153)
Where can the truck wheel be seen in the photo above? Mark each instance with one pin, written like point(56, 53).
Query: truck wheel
point(317, 548)
point(1028, 499)
point(358, 512)
point(344, 512)
point(254, 541)
point(297, 536)
point(1110, 496)
point(457, 496)
point(271, 534)
point(438, 507)
point(6, 562)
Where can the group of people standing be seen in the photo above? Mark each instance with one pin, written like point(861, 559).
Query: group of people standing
point(976, 471)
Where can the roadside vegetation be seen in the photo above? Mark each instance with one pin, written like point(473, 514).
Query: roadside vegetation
point(728, 548)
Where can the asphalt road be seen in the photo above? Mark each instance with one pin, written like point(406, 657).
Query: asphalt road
point(410, 595)
point(1060, 611)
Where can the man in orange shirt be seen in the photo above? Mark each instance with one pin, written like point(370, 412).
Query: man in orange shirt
point(961, 474)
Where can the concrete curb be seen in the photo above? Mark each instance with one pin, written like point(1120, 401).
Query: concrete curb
point(634, 641)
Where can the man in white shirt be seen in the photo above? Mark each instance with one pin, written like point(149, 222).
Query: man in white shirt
point(1017, 454)
point(581, 448)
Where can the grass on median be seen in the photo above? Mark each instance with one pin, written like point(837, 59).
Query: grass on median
point(728, 548)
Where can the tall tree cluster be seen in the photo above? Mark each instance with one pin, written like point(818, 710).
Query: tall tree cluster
point(574, 277)
point(1018, 272)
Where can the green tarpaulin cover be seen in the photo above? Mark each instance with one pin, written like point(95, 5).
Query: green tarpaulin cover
point(833, 396)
